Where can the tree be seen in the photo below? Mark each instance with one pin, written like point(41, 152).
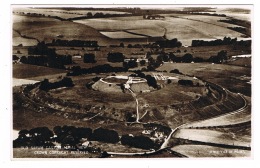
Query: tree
point(22, 133)
point(129, 46)
point(222, 55)
point(89, 15)
point(185, 82)
point(138, 142)
point(41, 134)
point(220, 58)
point(198, 59)
point(175, 71)
point(89, 58)
point(83, 132)
point(142, 62)
point(24, 60)
point(172, 57)
point(42, 49)
point(98, 15)
point(67, 82)
point(15, 57)
point(151, 81)
point(131, 64)
point(121, 45)
point(105, 135)
point(187, 58)
point(115, 57)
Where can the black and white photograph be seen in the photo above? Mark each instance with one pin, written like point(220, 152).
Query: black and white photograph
point(131, 81)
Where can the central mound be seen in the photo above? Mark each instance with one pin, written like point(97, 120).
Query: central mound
point(121, 84)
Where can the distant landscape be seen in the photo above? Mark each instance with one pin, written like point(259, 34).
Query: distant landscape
point(131, 82)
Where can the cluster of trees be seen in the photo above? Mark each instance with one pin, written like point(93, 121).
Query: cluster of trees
point(44, 137)
point(41, 49)
point(241, 30)
point(169, 43)
point(185, 82)
point(57, 61)
point(105, 135)
point(40, 136)
point(158, 127)
point(175, 71)
point(225, 41)
point(73, 43)
point(41, 15)
point(207, 14)
point(89, 58)
point(89, 15)
point(65, 82)
point(151, 81)
point(158, 44)
point(186, 58)
point(245, 26)
point(15, 57)
point(138, 142)
point(115, 57)
point(130, 64)
point(164, 57)
point(219, 58)
point(44, 56)
point(70, 135)
point(122, 45)
point(106, 68)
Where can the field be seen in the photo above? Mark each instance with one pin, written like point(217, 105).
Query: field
point(47, 29)
point(211, 136)
point(172, 94)
point(209, 151)
point(63, 13)
point(17, 40)
point(228, 119)
point(19, 82)
point(241, 62)
point(183, 27)
point(26, 71)
point(224, 75)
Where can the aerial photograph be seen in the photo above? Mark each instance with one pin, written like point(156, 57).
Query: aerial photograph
point(133, 81)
